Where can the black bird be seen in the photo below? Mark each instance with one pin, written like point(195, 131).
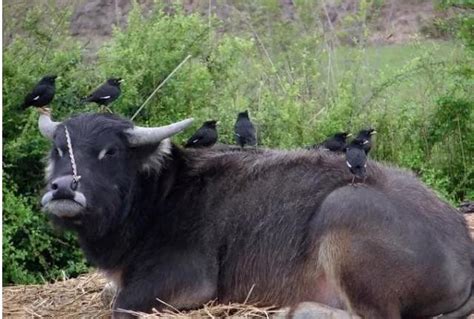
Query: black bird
point(335, 143)
point(106, 93)
point(244, 130)
point(205, 136)
point(366, 135)
point(356, 159)
point(42, 94)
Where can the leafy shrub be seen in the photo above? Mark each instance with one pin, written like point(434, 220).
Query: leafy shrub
point(32, 252)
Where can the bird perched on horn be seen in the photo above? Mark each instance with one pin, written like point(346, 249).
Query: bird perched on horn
point(42, 94)
point(205, 136)
point(106, 93)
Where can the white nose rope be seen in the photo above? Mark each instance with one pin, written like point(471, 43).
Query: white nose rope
point(75, 177)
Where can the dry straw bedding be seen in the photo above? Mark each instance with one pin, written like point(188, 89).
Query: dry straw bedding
point(82, 298)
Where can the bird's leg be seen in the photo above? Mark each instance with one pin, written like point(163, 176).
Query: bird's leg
point(108, 109)
point(44, 110)
point(353, 179)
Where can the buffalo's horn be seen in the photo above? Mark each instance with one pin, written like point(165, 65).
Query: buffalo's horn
point(150, 135)
point(47, 126)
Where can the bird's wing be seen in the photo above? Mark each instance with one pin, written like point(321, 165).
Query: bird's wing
point(34, 95)
point(360, 157)
point(330, 144)
point(104, 92)
point(37, 92)
point(244, 127)
point(250, 126)
point(196, 137)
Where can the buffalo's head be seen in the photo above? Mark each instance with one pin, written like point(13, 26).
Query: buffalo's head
point(109, 152)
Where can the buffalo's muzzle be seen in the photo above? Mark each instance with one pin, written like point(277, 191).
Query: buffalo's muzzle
point(62, 190)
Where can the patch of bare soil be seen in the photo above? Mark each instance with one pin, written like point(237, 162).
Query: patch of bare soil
point(393, 21)
point(401, 21)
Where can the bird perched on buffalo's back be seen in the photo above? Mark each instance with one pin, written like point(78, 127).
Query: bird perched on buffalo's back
point(335, 143)
point(356, 159)
point(366, 135)
point(106, 93)
point(42, 94)
point(205, 136)
point(244, 130)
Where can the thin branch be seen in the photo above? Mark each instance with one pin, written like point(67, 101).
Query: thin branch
point(160, 85)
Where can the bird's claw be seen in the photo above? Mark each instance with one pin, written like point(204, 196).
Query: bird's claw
point(44, 110)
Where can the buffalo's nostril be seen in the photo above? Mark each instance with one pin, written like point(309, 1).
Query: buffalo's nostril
point(64, 187)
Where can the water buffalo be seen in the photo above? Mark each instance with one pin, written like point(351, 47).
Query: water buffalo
point(188, 226)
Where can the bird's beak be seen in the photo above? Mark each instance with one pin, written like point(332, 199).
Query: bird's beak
point(373, 132)
point(121, 80)
point(349, 135)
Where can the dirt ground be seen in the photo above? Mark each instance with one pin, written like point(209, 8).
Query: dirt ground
point(92, 21)
point(82, 298)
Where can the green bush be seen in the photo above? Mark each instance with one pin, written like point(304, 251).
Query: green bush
point(32, 252)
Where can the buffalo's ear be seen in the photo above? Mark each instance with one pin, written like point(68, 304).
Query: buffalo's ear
point(151, 156)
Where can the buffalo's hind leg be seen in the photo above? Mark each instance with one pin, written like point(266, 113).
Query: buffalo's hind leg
point(359, 281)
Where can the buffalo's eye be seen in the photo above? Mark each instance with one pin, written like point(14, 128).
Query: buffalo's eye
point(111, 152)
point(107, 153)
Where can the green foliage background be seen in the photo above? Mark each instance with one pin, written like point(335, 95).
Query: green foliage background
point(298, 86)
